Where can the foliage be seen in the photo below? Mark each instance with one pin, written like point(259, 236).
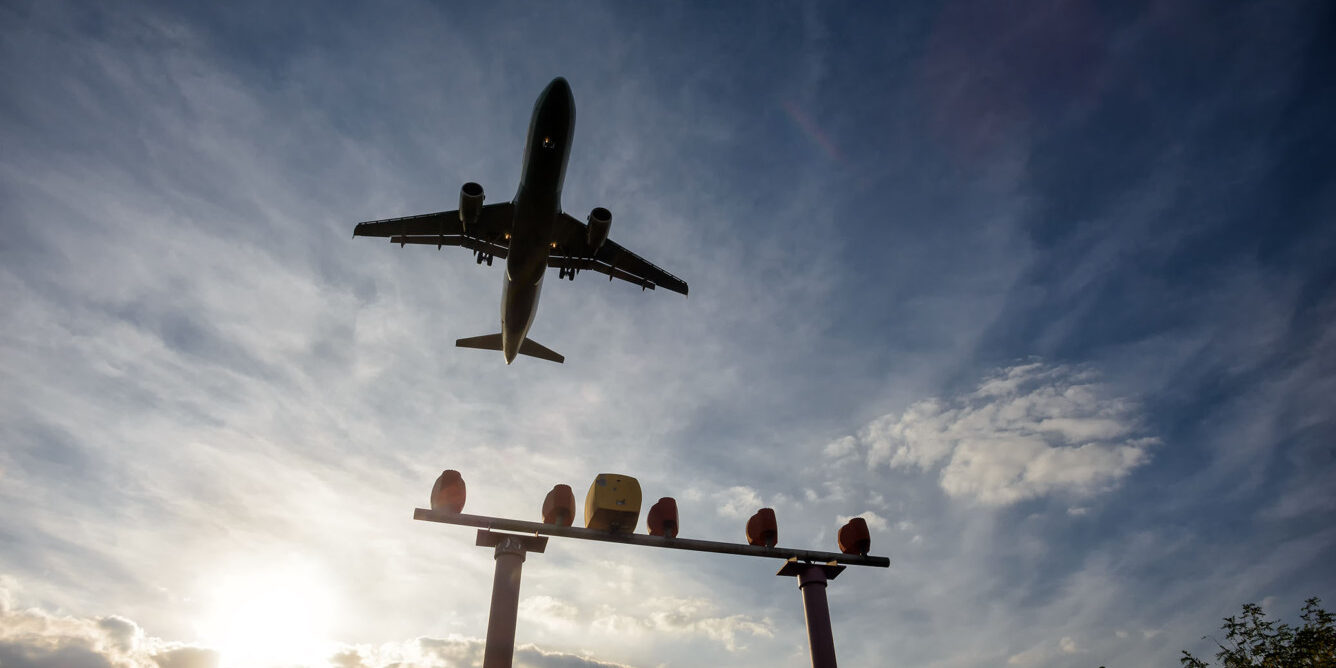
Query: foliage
point(1253, 641)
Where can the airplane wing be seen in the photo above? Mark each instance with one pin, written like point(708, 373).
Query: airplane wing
point(573, 253)
point(444, 229)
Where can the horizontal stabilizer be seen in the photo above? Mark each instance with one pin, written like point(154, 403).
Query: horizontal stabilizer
point(484, 342)
point(493, 342)
point(535, 349)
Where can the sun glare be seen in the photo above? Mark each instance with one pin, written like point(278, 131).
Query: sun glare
point(269, 615)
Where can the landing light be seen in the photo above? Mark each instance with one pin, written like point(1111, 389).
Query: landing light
point(559, 506)
point(853, 537)
point(762, 529)
point(613, 503)
point(449, 492)
point(662, 518)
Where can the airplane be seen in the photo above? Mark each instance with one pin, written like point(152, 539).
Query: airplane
point(530, 232)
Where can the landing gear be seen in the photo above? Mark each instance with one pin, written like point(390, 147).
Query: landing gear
point(482, 257)
point(567, 273)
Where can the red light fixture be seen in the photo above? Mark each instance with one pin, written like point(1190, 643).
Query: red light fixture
point(662, 518)
point(853, 537)
point(762, 529)
point(559, 506)
point(448, 493)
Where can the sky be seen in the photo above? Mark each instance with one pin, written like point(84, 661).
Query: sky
point(1044, 292)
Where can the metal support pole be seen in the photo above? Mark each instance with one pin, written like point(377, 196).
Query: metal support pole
point(510, 550)
point(812, 568)
point(812, 582)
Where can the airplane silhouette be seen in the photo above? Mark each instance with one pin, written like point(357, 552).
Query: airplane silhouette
point(530, 232)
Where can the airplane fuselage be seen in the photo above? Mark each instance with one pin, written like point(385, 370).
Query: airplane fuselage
point(537, 204)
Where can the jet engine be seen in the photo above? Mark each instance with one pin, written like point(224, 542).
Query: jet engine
point(470, 204)
point(600, 221)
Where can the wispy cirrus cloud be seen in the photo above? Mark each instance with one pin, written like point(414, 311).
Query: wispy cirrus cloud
point(198, 364)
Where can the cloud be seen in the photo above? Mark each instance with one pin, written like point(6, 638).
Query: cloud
point(547, 609)
point(874, 521)
point(34, 638)
point(841, 447)
point(687, 616)
point(1027, 431)
point(199, 363)
point(1045, 653)
point(738, 502)
point(454, 652)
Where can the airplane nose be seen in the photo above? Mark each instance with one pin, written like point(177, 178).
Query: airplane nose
point(558, 90)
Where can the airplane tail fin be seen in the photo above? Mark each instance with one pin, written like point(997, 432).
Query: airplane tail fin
point(528, 347)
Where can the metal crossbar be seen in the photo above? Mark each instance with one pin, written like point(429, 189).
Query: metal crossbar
point(521, 526)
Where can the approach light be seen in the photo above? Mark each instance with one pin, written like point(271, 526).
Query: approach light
point(613, 503)
point(448, 492)
point(559, 506)
point(762, 529)
point(853, 537)
point(662, 518)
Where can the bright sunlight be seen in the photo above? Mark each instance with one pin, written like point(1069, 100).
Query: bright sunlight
point(269, 614)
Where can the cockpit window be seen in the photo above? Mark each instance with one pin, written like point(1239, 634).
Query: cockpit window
point(548, 143)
